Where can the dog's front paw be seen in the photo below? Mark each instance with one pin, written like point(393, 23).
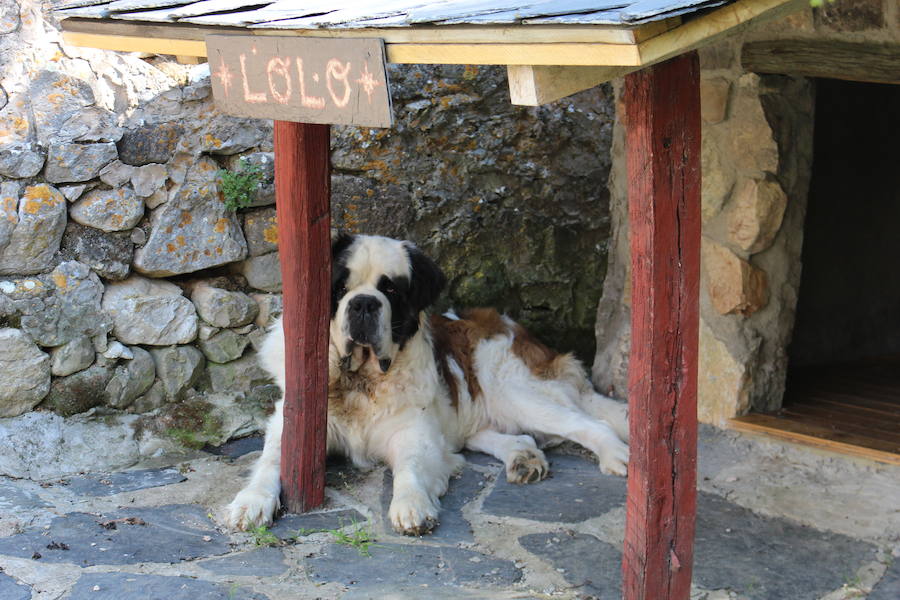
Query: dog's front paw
point(413, 513)
point(614, 458)
point(251, 508)
point(526, 466)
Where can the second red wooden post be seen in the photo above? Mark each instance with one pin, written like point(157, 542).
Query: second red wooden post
point(303, 197)
point(662, 112)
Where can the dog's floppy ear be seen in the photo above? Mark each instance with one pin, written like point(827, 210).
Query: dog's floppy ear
point(427, 281)
point(339, 244)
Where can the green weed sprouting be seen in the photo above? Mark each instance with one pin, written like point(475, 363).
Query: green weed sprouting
point(239, 188)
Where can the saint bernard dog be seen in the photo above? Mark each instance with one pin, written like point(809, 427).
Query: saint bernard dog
point(412, 391)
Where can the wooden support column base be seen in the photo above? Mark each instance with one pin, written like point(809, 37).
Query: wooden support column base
point(303, 197)
point(662, 106)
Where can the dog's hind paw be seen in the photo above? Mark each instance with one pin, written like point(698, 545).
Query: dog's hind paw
point(251, 508)
point(527, 466)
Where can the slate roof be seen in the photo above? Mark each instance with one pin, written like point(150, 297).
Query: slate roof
point(348, 14)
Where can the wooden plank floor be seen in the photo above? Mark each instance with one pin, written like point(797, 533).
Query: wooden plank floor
point(851, 408)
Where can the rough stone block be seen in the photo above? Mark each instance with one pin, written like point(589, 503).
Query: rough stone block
point(224, 346)
point(81, 391)
point(223, 308)
point(71, 162)
point(242, 374)
point(714, 94)
point(263, 272)
point(178, 367)
point(150, 312)
point(109, 210)
point(154, 143)
point(755, 213)
point(73, 356)
point(734, 285)
point(131, 379)
point(723, 381)
point(858, 15)
point(261, 231)
point(20, 161)
point(107, 253)
point(193, 230)
point(36, 236)
point(24, 373)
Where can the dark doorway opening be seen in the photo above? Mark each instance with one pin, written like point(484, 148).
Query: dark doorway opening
point(843, 378)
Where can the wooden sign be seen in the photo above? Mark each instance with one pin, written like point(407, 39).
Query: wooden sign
point(306, 80)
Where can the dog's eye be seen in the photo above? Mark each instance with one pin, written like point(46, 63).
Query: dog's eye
point(390, 290)
point(342, 291)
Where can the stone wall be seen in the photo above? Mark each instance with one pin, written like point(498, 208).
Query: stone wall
point(130, 296)
point(756, 161)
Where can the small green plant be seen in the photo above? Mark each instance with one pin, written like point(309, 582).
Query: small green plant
point(263, 537)
point(211, 429)
point(818, 3)
point(239, 188)
point(360, 537)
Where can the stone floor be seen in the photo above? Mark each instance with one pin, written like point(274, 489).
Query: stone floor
point(774, 522)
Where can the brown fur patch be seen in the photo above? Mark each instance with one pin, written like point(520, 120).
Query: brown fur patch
point(540, 360)
point(458, 340)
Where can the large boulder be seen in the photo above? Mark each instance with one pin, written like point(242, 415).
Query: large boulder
point(150, 312)
point(193, 230)
point(24, 373)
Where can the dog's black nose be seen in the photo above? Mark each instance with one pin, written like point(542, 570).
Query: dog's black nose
point(363, 305)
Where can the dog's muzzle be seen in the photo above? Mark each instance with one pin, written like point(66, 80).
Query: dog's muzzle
point(363, 314)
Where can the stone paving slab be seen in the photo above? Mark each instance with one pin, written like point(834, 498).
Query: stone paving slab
point(765, 557)
point(262, 562)
point(125, 481)
point(14, 498)
point(291, 525)
point(10, 590)
point(165, 534)
point(452, 527)
point(889, 586)
point(761, 558)
point(411, 564)
point(593, 566)
point(574, 491)
point(134, 586)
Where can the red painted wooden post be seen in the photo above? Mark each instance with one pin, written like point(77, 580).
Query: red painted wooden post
point(303, 194)
point(662, 112)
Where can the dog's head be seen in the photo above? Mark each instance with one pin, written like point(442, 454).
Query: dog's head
point(379, 287)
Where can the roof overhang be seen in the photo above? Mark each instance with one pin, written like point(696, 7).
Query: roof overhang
point(545, 62)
